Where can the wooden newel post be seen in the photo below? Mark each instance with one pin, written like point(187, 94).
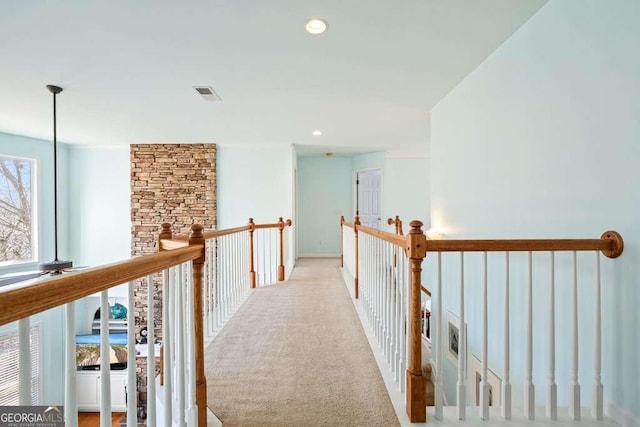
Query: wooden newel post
point(252, 272)
point(341, 240)
point(197, 238)
point(164, 234)
point(281, 249)
point(356, 223)
point(416, 380)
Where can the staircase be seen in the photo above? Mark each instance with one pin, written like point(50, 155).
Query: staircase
point(431, 396)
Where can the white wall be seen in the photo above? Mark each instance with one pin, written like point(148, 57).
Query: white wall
point(543, 140)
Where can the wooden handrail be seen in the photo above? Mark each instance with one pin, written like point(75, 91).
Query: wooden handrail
point(348, 224)
point(395, 239)
point(274, 225)
point(212, 234)
point(425, 290)
point(17, 302)
point(398, 223)
point(610, 244)
point(175, 241)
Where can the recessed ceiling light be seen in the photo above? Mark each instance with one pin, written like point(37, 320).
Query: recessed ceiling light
point(316, 133)
point(316, 26)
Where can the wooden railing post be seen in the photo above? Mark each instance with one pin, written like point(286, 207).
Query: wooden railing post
point(281, 250)
point(356, 223)
point(197, 238)
point(341, 240)
point(252, 271)
point(164, 234)
point(416, 380)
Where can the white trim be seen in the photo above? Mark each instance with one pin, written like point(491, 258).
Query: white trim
point(620, 415)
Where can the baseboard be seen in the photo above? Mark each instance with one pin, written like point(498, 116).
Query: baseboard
point(620, 415)
point(319, 256)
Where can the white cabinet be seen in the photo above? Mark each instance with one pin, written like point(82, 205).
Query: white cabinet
point(88, 383)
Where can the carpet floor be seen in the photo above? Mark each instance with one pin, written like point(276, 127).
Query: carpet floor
point(295, 354)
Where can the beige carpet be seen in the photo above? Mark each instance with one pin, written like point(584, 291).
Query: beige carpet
point(295, 355)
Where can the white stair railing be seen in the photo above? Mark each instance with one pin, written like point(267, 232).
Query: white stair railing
point(19, 301)
point(386, 291)
point(479, 327)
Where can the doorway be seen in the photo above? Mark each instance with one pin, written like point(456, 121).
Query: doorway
point(368, 203)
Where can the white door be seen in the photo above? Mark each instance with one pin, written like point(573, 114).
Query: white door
point(369, 201)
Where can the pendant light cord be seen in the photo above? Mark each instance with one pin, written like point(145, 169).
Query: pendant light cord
point(55, 180)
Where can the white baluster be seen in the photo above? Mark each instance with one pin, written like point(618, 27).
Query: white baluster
point(132, 389)
point(552, 392)
point(208, 297)
point(151, 358)
point(574, 386)
point(385, 296)
point(24, 361)
point(190, 349)
point(597, 407)
point(70, 384)
point(393, 317)
point(105, 364)
point(167, 343)
point(462, 349)
point(484, 384)
point(506, 385)
point(180, 349)
point(438, 389)
point(529, 388)
point(404, 326)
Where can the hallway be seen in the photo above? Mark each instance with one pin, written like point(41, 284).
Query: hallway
point(296, 354)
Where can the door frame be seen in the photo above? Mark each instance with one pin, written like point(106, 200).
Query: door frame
point(354, 192)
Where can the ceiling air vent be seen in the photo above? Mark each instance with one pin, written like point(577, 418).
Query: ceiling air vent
point(207, 93)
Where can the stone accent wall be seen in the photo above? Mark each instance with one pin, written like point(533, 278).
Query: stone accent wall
point(174, 183)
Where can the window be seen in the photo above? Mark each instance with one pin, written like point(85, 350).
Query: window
point(9, 362)
point(17, 224)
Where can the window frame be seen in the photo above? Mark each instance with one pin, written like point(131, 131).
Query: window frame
point(13, 333)
point(35, 226)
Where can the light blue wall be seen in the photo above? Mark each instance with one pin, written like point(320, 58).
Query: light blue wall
point(100, 211)
point(368, 161)
point(100, 197)
point(324, 194)
point(405, 191)
point(543, 140)
point(253, 183)
point(405, 183)
point(51, 321)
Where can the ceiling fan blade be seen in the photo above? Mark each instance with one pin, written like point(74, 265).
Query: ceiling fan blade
point(72, 269)
point(8, 279)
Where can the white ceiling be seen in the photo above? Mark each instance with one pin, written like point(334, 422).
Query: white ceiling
point(128, 67)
